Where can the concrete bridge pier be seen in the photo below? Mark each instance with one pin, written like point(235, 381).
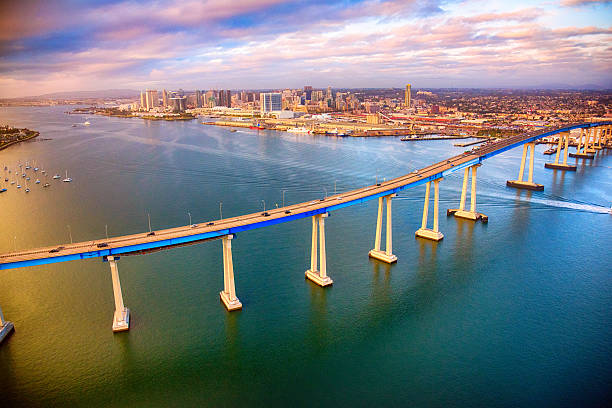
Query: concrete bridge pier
point(318, 275)
point(460, 212)
point(228, 295)
point(563, 138)
point(529, 184)
point(581, 149)
point(424, 232)
point(589, 146)
point(597, 140)
point(121, 318)
point(386, 255)
point(6, 327)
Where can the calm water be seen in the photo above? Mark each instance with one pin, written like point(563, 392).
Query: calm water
point(513, 313)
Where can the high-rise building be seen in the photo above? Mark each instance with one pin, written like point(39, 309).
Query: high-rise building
point(178, 103)
point(210, 99)
point(225, 98)
point(308, 92)
point(198, 98)
point(165, 97)
point(407, 96)
point(151, 99)
point(270, 101)
point(143, 104)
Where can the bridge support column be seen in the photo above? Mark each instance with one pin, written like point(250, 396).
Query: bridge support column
point(563, 139)
point(589, 146)
point(460, 212)
point(386, 255)
point(529, 184)
point(581, 149)
point(424, 232)
point(318, 275)
point(5, 327)
point(597, 138)
point(228, 295)
point(121, 318)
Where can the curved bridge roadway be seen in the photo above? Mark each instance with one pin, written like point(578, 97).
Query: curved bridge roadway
point(147, 242)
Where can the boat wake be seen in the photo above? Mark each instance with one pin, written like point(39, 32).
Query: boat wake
point(546, 202)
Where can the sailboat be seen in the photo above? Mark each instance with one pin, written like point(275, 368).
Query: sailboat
point(37, 181)
point(67, 179)
point(56, 177)
point(27, 190)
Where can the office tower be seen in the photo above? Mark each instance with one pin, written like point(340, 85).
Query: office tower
point(178, 103)
point(270, 101)
point(165, 97)
point(225, 98)
point(143, 104)
point(317, 96)
point(407, 97)
point(328, 95)
point(308, 92)
point(198, 98)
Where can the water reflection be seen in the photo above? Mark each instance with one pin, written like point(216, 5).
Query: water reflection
point(381, 286)
point(232, 343)
point(557, 186)
point(520, 213)
point(319, 330)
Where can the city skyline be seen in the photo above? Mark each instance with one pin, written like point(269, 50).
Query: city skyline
point(274, 44)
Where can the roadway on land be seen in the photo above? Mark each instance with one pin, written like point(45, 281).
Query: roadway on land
point(189, 234)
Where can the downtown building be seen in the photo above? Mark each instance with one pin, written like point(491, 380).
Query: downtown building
point(270, 102)
point(149, 99)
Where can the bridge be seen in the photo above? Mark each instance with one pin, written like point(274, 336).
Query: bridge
point(593, 137)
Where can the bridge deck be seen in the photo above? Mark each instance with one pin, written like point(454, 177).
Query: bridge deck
point(185, 234)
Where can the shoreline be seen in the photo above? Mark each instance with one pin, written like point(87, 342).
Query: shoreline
point(36, 134)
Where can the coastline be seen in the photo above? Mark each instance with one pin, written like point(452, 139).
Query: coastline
point(35, 134)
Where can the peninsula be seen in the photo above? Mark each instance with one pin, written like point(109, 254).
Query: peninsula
point(10, 135)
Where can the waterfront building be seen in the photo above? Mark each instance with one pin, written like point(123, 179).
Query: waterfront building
point(407, 96)
point(178, 103)
point(270, 101)
point(151, 99)
point(165, 97)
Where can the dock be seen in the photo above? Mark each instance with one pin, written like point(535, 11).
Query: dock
point(450, 137)
point(466, 144)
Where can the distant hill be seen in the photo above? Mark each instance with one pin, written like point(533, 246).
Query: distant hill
point(101, 94)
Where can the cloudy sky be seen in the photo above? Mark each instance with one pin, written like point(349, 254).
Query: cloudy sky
point(49, 46)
